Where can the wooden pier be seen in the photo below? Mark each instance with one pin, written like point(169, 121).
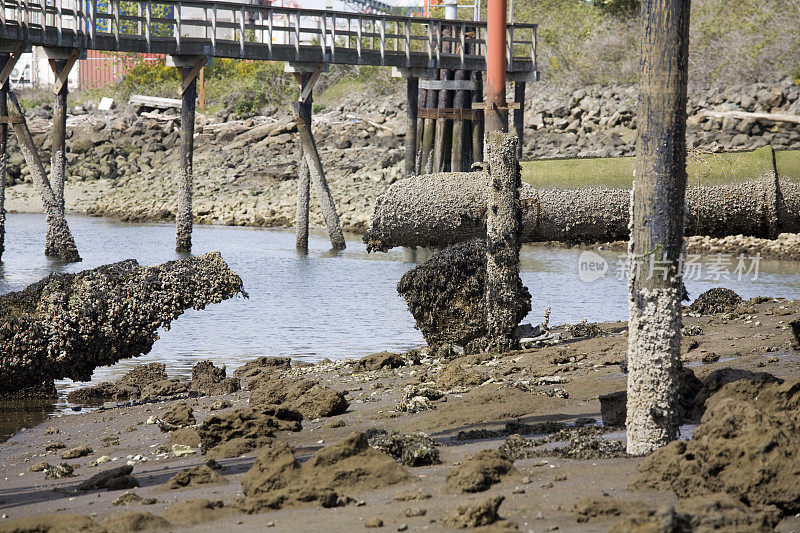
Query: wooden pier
point(442, 60)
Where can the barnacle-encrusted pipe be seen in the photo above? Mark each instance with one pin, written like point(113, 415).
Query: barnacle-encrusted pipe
point(66, 325)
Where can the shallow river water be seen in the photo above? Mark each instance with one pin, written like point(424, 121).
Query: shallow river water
point(322, 303)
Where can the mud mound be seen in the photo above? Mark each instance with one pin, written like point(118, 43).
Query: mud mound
point(51, 523)
point(446, 296)
point(211, 380)
point(307, 396)
point(748, 449)
point(592, 508)
point(134, 521)
point(703, 514)
point(481, 472)
point(181, 415)
point(128, 386)
point(192, 478)
point(131, 498)
point(262, 365)
point(454, 377)
point(377, 361)
point(416, 449)
point(717, 300)
point(243, 430)
point(195, 512)
point(185, 437)
point(475, 514)
point(751, 383)
point(276, 479)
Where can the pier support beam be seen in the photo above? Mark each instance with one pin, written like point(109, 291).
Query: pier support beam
point(61, 62)
point(412, 102)
point(311, 156)
point(62, 237)
point(189, 68)
point(3, 152)
point(519, 114)
point(657, 229)
point(303, 176)
point(504, 289)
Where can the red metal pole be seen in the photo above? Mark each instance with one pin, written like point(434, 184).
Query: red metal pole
point(496, 114)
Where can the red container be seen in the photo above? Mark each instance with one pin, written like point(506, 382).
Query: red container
point(103, 68)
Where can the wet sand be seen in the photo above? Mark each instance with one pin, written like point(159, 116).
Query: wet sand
point(559, 383)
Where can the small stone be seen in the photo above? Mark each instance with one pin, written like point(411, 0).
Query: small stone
point(373, 522)
point(411, 512)
point(54, 445)
point(526, 480)
point(50, 430)
point(39, 467)
point(402, 527)
point(77, 452)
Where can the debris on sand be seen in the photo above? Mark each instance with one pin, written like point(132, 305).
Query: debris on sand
point(66, 325)
point(277, 480)
point(414, 404)
point(446, 295)
point(307, 396)
point(475, 514)
point(746, 448)
point(716, 300)
point(193, 512)
point(131, 498)
point(211, 381)
point(112, 479)
point(52, 522)
point(41, 466)
point(128, 521)
point(582, 443)
point(242, 430)
point(415, 449)
point(485, 469)
point(378, 361)
point(59, 471)
point(192, 478)
point(583, 329)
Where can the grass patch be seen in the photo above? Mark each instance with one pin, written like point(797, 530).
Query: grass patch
point(617, 172)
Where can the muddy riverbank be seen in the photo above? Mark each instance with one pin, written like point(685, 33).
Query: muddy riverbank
point(552, 474)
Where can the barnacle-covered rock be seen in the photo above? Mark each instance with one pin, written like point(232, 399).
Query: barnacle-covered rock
point(66, 325)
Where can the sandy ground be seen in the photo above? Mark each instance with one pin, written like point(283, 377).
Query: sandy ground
point(539, 496)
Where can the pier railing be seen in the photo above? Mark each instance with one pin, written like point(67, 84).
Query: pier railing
point(233, 30)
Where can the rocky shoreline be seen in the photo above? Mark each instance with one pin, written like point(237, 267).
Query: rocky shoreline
point(123, 165)
point(428, 440)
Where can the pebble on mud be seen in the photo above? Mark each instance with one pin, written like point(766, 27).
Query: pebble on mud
point(77, 452)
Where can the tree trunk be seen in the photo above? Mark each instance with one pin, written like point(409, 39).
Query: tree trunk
point(657, 228)
point(64, 243)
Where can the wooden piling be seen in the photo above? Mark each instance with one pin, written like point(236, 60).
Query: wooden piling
point(657, 229)
point(421, 100)
point(429, 131)
point(58, 160)
point(504, 290)
point(183, 216)
point(303, 177)
point(519, 114)
point(442, 145)
point(3, 155)
point(460, 153)
point(62, 236)
point(321, 188)
point(477, 123)
point(412, 101)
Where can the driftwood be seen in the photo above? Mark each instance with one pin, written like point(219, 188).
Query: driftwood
point(744, 115)
point(443, 209)
point(66, 325)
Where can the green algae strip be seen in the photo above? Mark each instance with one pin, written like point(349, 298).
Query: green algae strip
point(703, 169)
